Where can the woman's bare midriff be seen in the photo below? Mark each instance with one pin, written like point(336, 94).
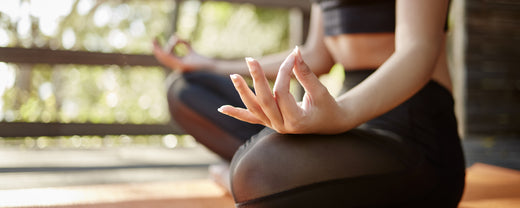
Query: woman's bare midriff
point(369, 51)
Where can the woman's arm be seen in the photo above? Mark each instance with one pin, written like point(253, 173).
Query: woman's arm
point(419, 35)
point(314, 52)
point(418, 40)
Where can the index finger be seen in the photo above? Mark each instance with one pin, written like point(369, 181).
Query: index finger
point(162, 56)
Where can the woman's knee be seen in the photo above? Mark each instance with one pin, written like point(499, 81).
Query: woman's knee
point(175, 83)
point(178, 91)
point(273, 163)
point(252, 173)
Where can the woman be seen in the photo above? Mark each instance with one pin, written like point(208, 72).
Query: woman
point(390, 140)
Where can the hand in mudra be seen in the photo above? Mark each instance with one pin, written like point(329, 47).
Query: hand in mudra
point(318, 112)
point(179, 55)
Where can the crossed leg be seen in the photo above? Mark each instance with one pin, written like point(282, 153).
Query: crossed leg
point(355, 169)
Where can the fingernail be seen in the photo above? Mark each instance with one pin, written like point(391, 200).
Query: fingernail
point(250, 65)
point(298, 55)
point(233, 76)
point(220, 109)
point(296, 49)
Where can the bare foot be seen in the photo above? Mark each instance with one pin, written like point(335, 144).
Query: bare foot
point(219, 173)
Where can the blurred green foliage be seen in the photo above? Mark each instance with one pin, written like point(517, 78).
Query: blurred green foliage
point(228, 30)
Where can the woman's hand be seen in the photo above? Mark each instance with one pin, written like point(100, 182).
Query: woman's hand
point(188, 61)
point(318, 112)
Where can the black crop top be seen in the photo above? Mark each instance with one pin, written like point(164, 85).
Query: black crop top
point(358, 16)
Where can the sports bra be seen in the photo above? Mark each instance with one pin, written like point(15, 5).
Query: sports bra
point(358, 16)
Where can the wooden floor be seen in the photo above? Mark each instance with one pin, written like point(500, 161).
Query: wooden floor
point(490, 186)
point(487, 186)
point(186, 194)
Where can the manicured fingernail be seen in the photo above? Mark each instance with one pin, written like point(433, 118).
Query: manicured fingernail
point(220, 109)
point(249, 62)
point(233, 76)
point(249, 59)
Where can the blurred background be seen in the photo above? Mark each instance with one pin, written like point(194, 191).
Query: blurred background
point(82, 100)
point(75, 93)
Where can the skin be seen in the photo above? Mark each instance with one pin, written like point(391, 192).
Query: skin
point(405, 62)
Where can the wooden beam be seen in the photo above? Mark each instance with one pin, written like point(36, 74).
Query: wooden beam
point(48, 56)
point(21, 129)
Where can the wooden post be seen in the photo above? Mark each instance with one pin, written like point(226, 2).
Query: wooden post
point(492, 59)
point(456, 57)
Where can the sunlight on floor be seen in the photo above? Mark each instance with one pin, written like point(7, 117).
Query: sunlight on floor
point(112, 193)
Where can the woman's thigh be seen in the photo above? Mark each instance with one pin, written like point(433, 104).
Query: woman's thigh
point(276, 170)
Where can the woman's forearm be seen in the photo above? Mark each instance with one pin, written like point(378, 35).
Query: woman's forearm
point(270, 64)
point(401, 76)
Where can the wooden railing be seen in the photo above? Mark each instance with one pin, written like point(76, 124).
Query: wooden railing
point(48, 56)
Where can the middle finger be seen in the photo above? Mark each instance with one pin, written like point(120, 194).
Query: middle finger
point(263, 93)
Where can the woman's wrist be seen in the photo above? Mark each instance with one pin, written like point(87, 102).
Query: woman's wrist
point(351, 115)
point(227, 67)
point(208, 64)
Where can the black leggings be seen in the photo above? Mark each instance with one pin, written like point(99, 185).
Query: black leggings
point(408, 157)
